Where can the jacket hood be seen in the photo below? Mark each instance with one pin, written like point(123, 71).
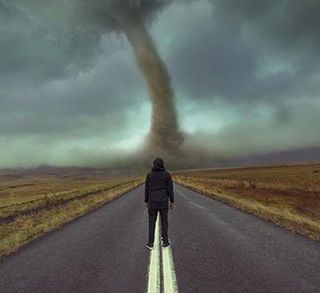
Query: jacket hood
point(158, 165)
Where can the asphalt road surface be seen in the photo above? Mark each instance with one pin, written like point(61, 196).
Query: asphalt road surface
point(215, 248)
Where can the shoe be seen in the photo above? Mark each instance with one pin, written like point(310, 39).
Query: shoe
point(150, 246)
point(166, 244)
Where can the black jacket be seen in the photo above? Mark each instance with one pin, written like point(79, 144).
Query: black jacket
point(158, 188)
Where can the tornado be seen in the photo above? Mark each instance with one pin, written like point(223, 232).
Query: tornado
point(164, 136)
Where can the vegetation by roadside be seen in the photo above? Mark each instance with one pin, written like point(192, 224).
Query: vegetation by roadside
point(10, 209)
point(31, 219)
point(286, 195)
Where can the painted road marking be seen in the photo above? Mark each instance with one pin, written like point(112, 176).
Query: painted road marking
point(154, 267)
point(169, 275)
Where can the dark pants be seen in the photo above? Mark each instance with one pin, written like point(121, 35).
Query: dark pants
point(152, 223)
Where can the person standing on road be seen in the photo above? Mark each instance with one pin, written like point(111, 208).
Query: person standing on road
point(158, 191)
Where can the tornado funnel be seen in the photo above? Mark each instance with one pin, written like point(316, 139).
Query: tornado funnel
point(164, 135)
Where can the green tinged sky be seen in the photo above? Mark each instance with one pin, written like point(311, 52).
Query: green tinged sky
point(246, 76)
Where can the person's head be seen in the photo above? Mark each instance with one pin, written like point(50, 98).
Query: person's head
point(158, 163)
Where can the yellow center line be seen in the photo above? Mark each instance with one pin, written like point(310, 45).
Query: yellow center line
point(154, 267)
point(169, 274)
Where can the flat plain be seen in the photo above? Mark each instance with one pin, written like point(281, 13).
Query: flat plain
point(33, 203)
point(288, 195)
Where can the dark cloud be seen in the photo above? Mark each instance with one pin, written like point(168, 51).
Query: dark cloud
point(249, 51)
point(67, 106)
point(213, 61)
point(43, 41)
point(69, 86)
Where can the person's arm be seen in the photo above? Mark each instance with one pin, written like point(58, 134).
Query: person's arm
point(146, 190)
point(170, 189)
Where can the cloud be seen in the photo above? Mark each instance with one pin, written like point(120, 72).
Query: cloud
point(246, 52)
point(105, 89)
point(246, 76)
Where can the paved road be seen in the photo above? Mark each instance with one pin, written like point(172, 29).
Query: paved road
point(215, 248)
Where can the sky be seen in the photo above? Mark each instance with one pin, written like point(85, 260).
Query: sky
point(246, 76)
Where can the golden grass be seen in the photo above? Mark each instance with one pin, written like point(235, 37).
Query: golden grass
point(26, 227)
point(30, 188)
point(286, 195)
point(21, 204)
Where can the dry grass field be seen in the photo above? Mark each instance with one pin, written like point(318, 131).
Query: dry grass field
point(287, 195)
point(31, 205)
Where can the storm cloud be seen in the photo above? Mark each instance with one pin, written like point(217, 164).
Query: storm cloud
point(246, 77)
